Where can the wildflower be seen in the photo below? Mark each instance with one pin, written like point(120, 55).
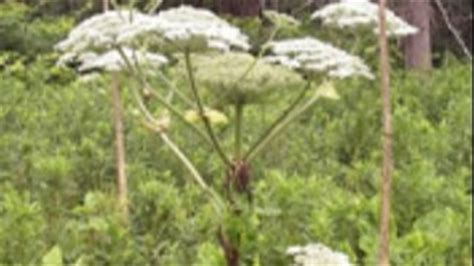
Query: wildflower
point(174, 29)
point(215, 117)
point(312, 56)
point(100, 32)
point(113, 61)
point(362, 13)
point(70, 58)
point(317, 254)
point(190, 28)
point(240, 78)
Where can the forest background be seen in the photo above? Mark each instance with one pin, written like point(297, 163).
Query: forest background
point(319, 182)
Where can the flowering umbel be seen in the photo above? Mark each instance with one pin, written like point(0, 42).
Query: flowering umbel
point(353, 14)
point(186, 28)
point(113, 61)
point(313, 56)
point(240, 78)
point(171, 30)
point(101, 32)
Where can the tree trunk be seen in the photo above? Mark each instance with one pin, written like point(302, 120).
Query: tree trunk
point(105, 5)
point(271, 4)
point(198, 3)
point(418, 47)
point(239, 8)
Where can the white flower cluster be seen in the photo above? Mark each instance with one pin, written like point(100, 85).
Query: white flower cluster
point(317, 255)
point(313, 56)
point(238, 77)
point(112, 60)
point(362, 13)
point(100, 32)
point(187, 23)
point(182, 27)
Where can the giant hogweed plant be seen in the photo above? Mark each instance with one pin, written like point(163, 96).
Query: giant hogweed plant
point(212, 54)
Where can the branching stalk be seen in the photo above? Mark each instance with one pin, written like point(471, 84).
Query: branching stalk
point(202, 114)
point(239, 108)
point(281, 126)
point(260, 55)
point(134, 72)
point(157, 126)
point(168, 83)
point(217, 200)
point(257, 146)
point(173, 87)
point(453, 30)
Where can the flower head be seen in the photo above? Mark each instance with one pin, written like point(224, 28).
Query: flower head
point(113, 61)
point(317, 254)
point(100, 32)
point(186, 27)
point(174, 29)
point(215, 117)
point(312, 56)
point(239, 78)
point(362, 13)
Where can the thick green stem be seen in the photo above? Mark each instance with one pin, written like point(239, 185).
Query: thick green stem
point(218, 202)
point(154, 124)
point(239, 110)
point(201, 110)
point(257, 146)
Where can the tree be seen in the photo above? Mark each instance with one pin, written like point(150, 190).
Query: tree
point(105, 5)
point(418, 47)
point(239, 8)
point(272, 4)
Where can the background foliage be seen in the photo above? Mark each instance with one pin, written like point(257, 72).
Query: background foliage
point(317, 183)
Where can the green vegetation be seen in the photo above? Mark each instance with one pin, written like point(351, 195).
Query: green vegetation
point(57, 176)
point(319, 182)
